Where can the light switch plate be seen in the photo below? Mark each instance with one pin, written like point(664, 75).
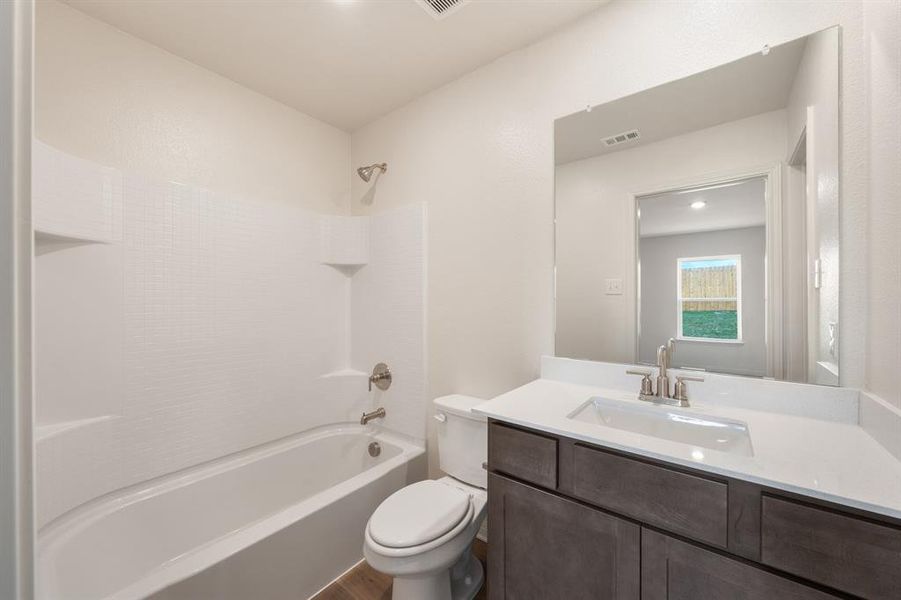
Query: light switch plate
point(613, 287)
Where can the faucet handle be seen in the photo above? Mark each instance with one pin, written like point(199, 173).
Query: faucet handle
point(381, 377)
point(688, 378)
point(647, 386)
point(680, 392)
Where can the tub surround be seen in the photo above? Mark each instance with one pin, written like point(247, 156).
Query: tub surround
point(166, 278)
point(219, 326)
point(807, 440)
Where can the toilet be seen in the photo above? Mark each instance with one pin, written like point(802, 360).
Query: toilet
point(421, 534)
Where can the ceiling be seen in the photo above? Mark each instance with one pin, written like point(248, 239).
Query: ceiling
point(732, 206)
point(345, 62)
point(746, 87)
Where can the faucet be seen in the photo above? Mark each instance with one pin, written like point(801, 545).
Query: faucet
point(378, 413)
point(664, 353)
point(662, 395)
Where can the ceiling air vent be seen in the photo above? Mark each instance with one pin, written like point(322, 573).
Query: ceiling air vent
point(441, 8)
point(622, 138)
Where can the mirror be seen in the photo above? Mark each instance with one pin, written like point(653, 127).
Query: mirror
point(706, 210)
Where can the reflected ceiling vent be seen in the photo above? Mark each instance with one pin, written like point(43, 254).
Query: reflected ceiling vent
point(622, 138)
point(441, 8)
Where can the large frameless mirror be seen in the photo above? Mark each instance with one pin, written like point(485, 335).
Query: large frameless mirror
point(706, 211)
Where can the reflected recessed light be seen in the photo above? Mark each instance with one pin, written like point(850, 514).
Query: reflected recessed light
point(698, 204)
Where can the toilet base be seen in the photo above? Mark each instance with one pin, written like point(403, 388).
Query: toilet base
point(461, 582)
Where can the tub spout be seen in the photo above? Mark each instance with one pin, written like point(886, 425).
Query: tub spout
point(378, 413)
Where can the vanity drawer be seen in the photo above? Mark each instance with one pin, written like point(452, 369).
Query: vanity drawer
point(528, 456)
point(849, 554)
point(672, 500)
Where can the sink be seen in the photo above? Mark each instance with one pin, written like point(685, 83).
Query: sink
point(668, 423)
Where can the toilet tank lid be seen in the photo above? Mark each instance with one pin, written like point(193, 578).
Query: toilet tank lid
point(459, 404)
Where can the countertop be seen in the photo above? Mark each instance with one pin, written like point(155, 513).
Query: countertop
point(821, 458)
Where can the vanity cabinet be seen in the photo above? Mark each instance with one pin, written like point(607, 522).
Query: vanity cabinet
point(686, 504)
point(571, 520)
point(544, 546)
point(675, 570)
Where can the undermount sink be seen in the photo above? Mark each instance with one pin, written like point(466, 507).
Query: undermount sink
point(666, 422)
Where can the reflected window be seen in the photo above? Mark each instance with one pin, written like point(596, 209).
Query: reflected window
point(709, 298)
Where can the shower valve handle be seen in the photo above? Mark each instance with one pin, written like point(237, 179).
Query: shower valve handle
point(381, 377)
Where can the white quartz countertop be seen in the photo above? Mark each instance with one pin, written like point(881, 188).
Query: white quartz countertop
point(826, 459)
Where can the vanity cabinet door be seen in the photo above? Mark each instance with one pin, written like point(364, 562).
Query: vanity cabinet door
point(544, 546)
point(850, 554)
point(675, 570)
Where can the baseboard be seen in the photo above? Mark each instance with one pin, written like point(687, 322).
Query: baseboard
point(354, 566)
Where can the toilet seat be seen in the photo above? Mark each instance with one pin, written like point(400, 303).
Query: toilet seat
point(390, 552)
point(418, 518)
point(418, 514)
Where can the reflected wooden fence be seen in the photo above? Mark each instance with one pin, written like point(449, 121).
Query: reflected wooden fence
point(709, 282)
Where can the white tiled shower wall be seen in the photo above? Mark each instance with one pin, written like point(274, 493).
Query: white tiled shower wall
point(231, 330)
point(388, 315)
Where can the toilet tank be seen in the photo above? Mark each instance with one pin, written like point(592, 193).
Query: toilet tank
point(462, 439)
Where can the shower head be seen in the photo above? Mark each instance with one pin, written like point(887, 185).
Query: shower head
point(365, 173)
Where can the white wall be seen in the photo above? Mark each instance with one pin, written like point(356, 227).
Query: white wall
point(387, 308)
point(480, 152)
point(596, 223)
point(883, 52)
point(659, 256)
point(108, 97)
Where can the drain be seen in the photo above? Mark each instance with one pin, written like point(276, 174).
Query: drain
point(374, 449)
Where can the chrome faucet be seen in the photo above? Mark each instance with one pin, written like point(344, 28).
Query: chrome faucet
point(662, 395)
point(378, 413)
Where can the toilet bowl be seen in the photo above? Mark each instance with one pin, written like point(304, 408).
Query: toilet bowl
point(421, 535)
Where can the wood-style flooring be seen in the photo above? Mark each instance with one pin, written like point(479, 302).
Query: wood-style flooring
point(365, 583)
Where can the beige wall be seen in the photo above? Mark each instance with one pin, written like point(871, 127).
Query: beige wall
point(479, 151)
point(883, 22)
point(108, 97)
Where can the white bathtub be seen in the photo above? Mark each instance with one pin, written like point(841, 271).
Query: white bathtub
point(275, 522)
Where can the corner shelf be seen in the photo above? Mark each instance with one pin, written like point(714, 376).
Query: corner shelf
point(344, 373)
point(344, 242)
point(43, 236)
point(43, 431)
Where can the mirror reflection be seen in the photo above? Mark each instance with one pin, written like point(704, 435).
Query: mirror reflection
point(705, 211)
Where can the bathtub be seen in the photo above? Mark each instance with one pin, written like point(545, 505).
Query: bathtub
point(278, 521)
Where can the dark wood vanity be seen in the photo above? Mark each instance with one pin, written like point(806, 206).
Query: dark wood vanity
point(571, 520)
